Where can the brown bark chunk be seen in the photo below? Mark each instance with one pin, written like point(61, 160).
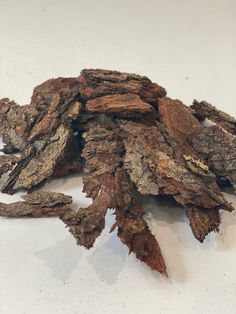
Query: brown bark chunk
point(37, 204)
point(155, 169)
point(96, 83)
point(179, 122)
point(15, 122)
point(205, 110)
point(203, 221)
point(218, 148)
point(126, 135)
point(56, 103)
point(109, 187)
point(183, 126)
point(123, 105)
point(133, 229)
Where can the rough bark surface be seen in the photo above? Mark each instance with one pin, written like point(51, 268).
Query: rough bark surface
point(56, 103)
point(179, 122)
point(205, 110)
point(126, 136)
point(7, 163)
point(203, 221)
point(218, 148)
point(123, 105)
point(15, 122)
point(155, 169)
point(37, 204)
point(108, 185)
point(95, 83)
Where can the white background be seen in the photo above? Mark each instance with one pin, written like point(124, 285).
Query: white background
point(189, 47)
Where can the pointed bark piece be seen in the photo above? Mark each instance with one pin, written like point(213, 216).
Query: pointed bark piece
point(218, 148)
point(122, 105)
point(57, 105)
point(7, 163)
point(87, 223)
point(102, 152)
point(203, 221)
point(96, 83)
point(109, 187)
point(205, 110)
point(36, 205)
point(133, 229)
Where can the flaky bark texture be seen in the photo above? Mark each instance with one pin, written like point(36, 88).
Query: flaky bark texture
point(37, 204)
point(218, 148)
point(132, 228)
point(179, 122)
point(95, 83)
point(7, 163)
point(155, 169)
point(126, 136)
point(203, 221)
point(204, 110)
point(56, 103)
point(108, 185)
point(126, 105)
point(15, 122)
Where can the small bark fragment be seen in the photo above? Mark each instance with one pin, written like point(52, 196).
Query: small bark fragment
point(123, 105)
point(179, 122)
point(37, 204)
point(7, 163)
point(218, 148)
point(204, 110)
point(133, 229)
point(203, 221)
point(15, 122)
point(96, 83)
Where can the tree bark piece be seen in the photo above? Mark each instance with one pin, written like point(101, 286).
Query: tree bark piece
point(183, 127)
point(15, 122)
point(56, 103)
point(133, 229)
point(96, 83)
point(128, 136)
point(203, 221)
point(179, 122)
point(37, 204)
point(155, 169)
point(7, 163)
point(205, 110)
point(123, 105)
point(108, 186)
point(218, 148)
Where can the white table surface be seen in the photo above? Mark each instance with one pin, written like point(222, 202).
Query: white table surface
point(190, 48)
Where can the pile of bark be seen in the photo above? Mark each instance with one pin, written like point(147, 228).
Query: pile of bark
point(126, 137)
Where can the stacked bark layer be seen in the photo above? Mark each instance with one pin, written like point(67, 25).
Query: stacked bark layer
point(127, 137)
